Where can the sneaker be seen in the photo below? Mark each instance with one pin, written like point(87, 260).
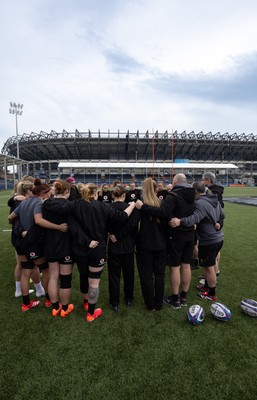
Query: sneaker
point(114, 308)
point(97, 313)
point(206, 296)
point(174, 304)
point(56, 312)
point(128, 302)
point(19, 294)
point(202, 288)
point(68, 311)
point(183, 301)
point(202, 281)
point(40, 293)
point(85, 305)
point(48, 303)
point(32, 304)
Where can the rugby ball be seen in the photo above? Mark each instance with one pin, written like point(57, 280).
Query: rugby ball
point(195, 314)
point(249, 307)
point(220, 312)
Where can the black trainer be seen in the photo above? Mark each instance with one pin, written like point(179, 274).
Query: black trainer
point(170, 302)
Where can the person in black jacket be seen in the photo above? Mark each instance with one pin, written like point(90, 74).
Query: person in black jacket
point(121, 252)
point(180, 242)
point(151, 249)
point(58, 252)
point(104, 194)
point(74, 192)
point(88, 222)
point(133, 194)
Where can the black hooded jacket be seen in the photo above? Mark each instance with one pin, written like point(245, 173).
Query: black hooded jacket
point(180, 202)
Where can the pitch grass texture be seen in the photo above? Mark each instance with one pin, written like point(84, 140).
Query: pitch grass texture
point(135, 354)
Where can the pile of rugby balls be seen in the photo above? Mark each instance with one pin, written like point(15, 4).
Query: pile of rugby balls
point(249, 307)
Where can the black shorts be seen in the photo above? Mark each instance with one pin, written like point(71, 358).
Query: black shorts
point(34, 251)
point(180, 251)
point(94, 258)
point(63, 260)
point(207, 254)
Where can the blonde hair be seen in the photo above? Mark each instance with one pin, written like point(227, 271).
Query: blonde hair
point(88, 192)
point(149, 192)
point(23, 187)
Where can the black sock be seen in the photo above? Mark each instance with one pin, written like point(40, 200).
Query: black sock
point(212, 291)
point(65, 307)
point(206, 284)
point(47, 297)
point(26, 300)
point(56, 305)
point(183, 294)
point(85, 301)
point(91, 308)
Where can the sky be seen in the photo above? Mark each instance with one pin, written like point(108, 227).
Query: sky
point(128, 65)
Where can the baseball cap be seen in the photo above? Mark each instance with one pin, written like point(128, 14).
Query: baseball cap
point(70, 179)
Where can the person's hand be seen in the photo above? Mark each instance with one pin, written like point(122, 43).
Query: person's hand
point(174, 222)
point(139, 204)
point(93, 244)
point(217, 226)
point(63, 227)
point(113, 238)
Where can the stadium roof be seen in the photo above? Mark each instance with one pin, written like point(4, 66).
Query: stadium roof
point(134, 146)
point(167, 165)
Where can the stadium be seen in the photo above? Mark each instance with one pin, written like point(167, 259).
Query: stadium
point(105, 156)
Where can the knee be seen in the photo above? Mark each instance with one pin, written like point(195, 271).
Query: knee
point(65, 281)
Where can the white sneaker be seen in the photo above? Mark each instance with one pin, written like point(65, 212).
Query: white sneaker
point(40, 293)
point(202, 281)
point(19, 294)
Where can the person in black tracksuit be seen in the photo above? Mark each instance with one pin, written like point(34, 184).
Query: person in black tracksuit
point(133, 194)
point(121, 248)
point(180, 243)
point(151, 251)
point(105, 195)
point(88, 222)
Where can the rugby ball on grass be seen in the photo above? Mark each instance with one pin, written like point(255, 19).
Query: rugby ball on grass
point(195, 314)
point(249, 307)
point(220, 312)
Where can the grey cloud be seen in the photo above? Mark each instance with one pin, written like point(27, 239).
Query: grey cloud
point(236, 86)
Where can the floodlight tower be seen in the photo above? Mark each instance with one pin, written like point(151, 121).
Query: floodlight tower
point(17, 110)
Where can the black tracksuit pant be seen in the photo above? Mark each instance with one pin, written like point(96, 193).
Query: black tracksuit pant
point(116, 264)
point(151, 269)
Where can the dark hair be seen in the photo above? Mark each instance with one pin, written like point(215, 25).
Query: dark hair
point(40, 187)
point(61, 186)
point(118, 191)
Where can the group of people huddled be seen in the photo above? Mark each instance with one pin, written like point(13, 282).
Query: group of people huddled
point(57, 225)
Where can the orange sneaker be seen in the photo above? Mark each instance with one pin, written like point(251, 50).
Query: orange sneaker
point(56, 312)
point(68, 311)
point(32, 304)
point(48, 303)
point(97, 313)
point(85, 305)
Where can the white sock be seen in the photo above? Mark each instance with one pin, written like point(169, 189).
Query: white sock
point(39, 287)
point(17, 286)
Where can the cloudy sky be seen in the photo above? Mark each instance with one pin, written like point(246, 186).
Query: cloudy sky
point(129, 65)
